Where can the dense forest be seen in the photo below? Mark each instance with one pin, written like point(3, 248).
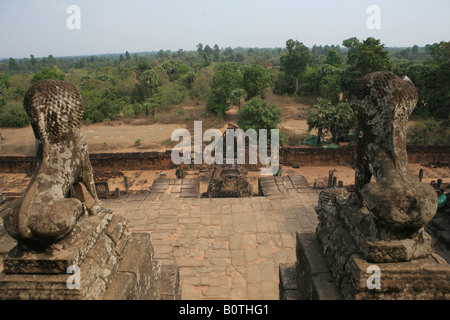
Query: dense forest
point(156, 84)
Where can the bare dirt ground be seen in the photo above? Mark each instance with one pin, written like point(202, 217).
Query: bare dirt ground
point(120, 136)
point(113, 137)
point(142, 180)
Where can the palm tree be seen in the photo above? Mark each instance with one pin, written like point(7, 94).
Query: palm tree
point(341, 120)
point(319, 117)
point(236, 96)
point(151, 80)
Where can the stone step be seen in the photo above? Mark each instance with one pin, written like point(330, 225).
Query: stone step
point(309, 278)
point(141, 277)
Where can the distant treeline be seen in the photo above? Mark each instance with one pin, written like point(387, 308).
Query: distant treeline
point(129, 85)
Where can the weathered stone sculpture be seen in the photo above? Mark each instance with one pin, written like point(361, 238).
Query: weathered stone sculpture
point(386, 217)
point(45, 213)
point(400, 203)
point(54, 234)
point(381, 226)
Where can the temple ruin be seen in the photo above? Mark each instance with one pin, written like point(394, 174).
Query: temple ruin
point(285, 240)
point(372, 244)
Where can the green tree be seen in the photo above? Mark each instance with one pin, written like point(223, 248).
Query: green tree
point(324, 81)
point(440, 51)
point(225, 80)
point(150, 106)
point(12, 64)
point(334, 59)
point(341, 120)
point(188, 79)
point(208, 50)
point(236, 97)
point(432, 80)
point(295, 61)
point(337, 119)
point(48, 73)
point(4, 82)
point(228, 55)
point(329, 79)
point(170, 67)
point(151, 80)
point(51, 59)
point(319, 117)
point(216, 53)
point(256, 80)
point(405, 54)
point(363, 58)
point(372, 57)
point(200, 50)
point(283, 84)
point(99, 106)
point(258, 114)
point(420, 133)
point(353, 45)
point(33, 61)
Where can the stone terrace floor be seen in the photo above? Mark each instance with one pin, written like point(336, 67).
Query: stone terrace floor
point(228, 248)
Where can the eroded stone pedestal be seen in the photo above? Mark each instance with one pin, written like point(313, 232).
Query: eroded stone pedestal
point(338, 261)
point(312, 278)
point(113, 263)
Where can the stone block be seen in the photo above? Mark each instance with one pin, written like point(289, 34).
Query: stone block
point(421, 278)
point(122, 288)
point(138, 260)
point(82, 194)
point(288, 282)
point(70, 251)
point(314, 277)
point(169, 283)
point(114, 264)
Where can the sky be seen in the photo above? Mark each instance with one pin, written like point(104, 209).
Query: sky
point(40, 27)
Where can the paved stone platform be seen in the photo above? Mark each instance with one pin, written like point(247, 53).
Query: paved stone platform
point(184, 188)
point(227, 248)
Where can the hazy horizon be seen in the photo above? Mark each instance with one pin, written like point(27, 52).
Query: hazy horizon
point(39, 27)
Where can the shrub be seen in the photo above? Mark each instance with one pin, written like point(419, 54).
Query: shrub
point(172, 94)
point(48, 73)
point(258, 114)
point(14, 118)
point(127, 111)
point(429, 132)
point(201, 83)
point(100, 106)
